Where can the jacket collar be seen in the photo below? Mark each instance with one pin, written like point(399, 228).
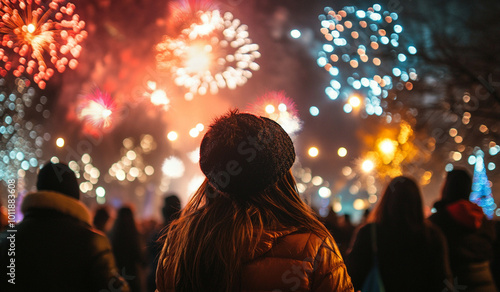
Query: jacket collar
point(58, 202)
point(267, 240)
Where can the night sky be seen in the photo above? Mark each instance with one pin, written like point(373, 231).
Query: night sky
point(118, 57)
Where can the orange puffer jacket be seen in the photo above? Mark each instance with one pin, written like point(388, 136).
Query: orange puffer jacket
point(286, 261)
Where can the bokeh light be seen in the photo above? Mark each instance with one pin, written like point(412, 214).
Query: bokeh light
point(387, 146)
point(314, 111)
point(354, 101)
point(60, 142)
point(172, 136)
point(132, 165)
point(342, 152)
point(367, 165)
point(295, 33)
point(313, 151)
point(324, 192)
point(159, 97)
point(359, 204)
point(22, 138)
point(173, 167)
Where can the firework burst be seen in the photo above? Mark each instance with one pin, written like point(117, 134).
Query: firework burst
point(213, 53)
point(360, 45)
point(97, 111)
point(280, 108)
point(39, 38)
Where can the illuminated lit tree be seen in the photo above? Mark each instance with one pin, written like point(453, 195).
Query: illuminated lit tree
point(481, 188)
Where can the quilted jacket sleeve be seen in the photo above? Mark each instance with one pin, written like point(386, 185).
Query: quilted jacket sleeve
point(104, 274)
point(329, 272)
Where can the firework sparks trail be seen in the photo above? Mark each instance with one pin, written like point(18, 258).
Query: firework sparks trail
point(39, 38)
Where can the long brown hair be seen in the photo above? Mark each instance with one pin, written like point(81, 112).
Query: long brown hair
point(206, 246)
point(400, 207)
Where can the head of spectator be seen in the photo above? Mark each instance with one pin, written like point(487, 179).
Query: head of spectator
point(400, 206)
point(171, 208)
point(457, 186)
point(101, 218)
point(58, 177)
point(249, 190)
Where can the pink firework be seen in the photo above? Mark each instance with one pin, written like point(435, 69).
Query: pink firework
point(39, 38)
point(280, 108)
point(97, 111)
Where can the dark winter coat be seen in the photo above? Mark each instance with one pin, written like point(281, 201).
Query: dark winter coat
point(407, 262)
point(286, 261)
point(470, 239)
point(57, 250)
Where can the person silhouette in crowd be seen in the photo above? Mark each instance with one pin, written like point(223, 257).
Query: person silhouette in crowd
point(411, 252)
point(127, 247)
point(495, 264)
point(56, 248)
point(101, 219)
point(246, 228)
point(470, 235)
point(346, 232)
point(170, 211)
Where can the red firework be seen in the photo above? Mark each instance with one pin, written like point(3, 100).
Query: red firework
point(39, 37)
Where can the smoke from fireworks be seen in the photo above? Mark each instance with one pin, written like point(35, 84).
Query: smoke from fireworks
point(39, 38)
point(362, 44)
point(97, 111)
point(213, 53)
point(280, 108)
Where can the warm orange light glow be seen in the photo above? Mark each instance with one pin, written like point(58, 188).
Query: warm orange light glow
point(342, 152)
point(198, 58)
point(367, 165)
point(387, 146)
point(354, 101)
point(60, 142)
point(31, 28)
point(270, 109)
point(313, 152)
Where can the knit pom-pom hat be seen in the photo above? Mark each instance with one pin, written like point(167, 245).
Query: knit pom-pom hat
point(243, 154)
